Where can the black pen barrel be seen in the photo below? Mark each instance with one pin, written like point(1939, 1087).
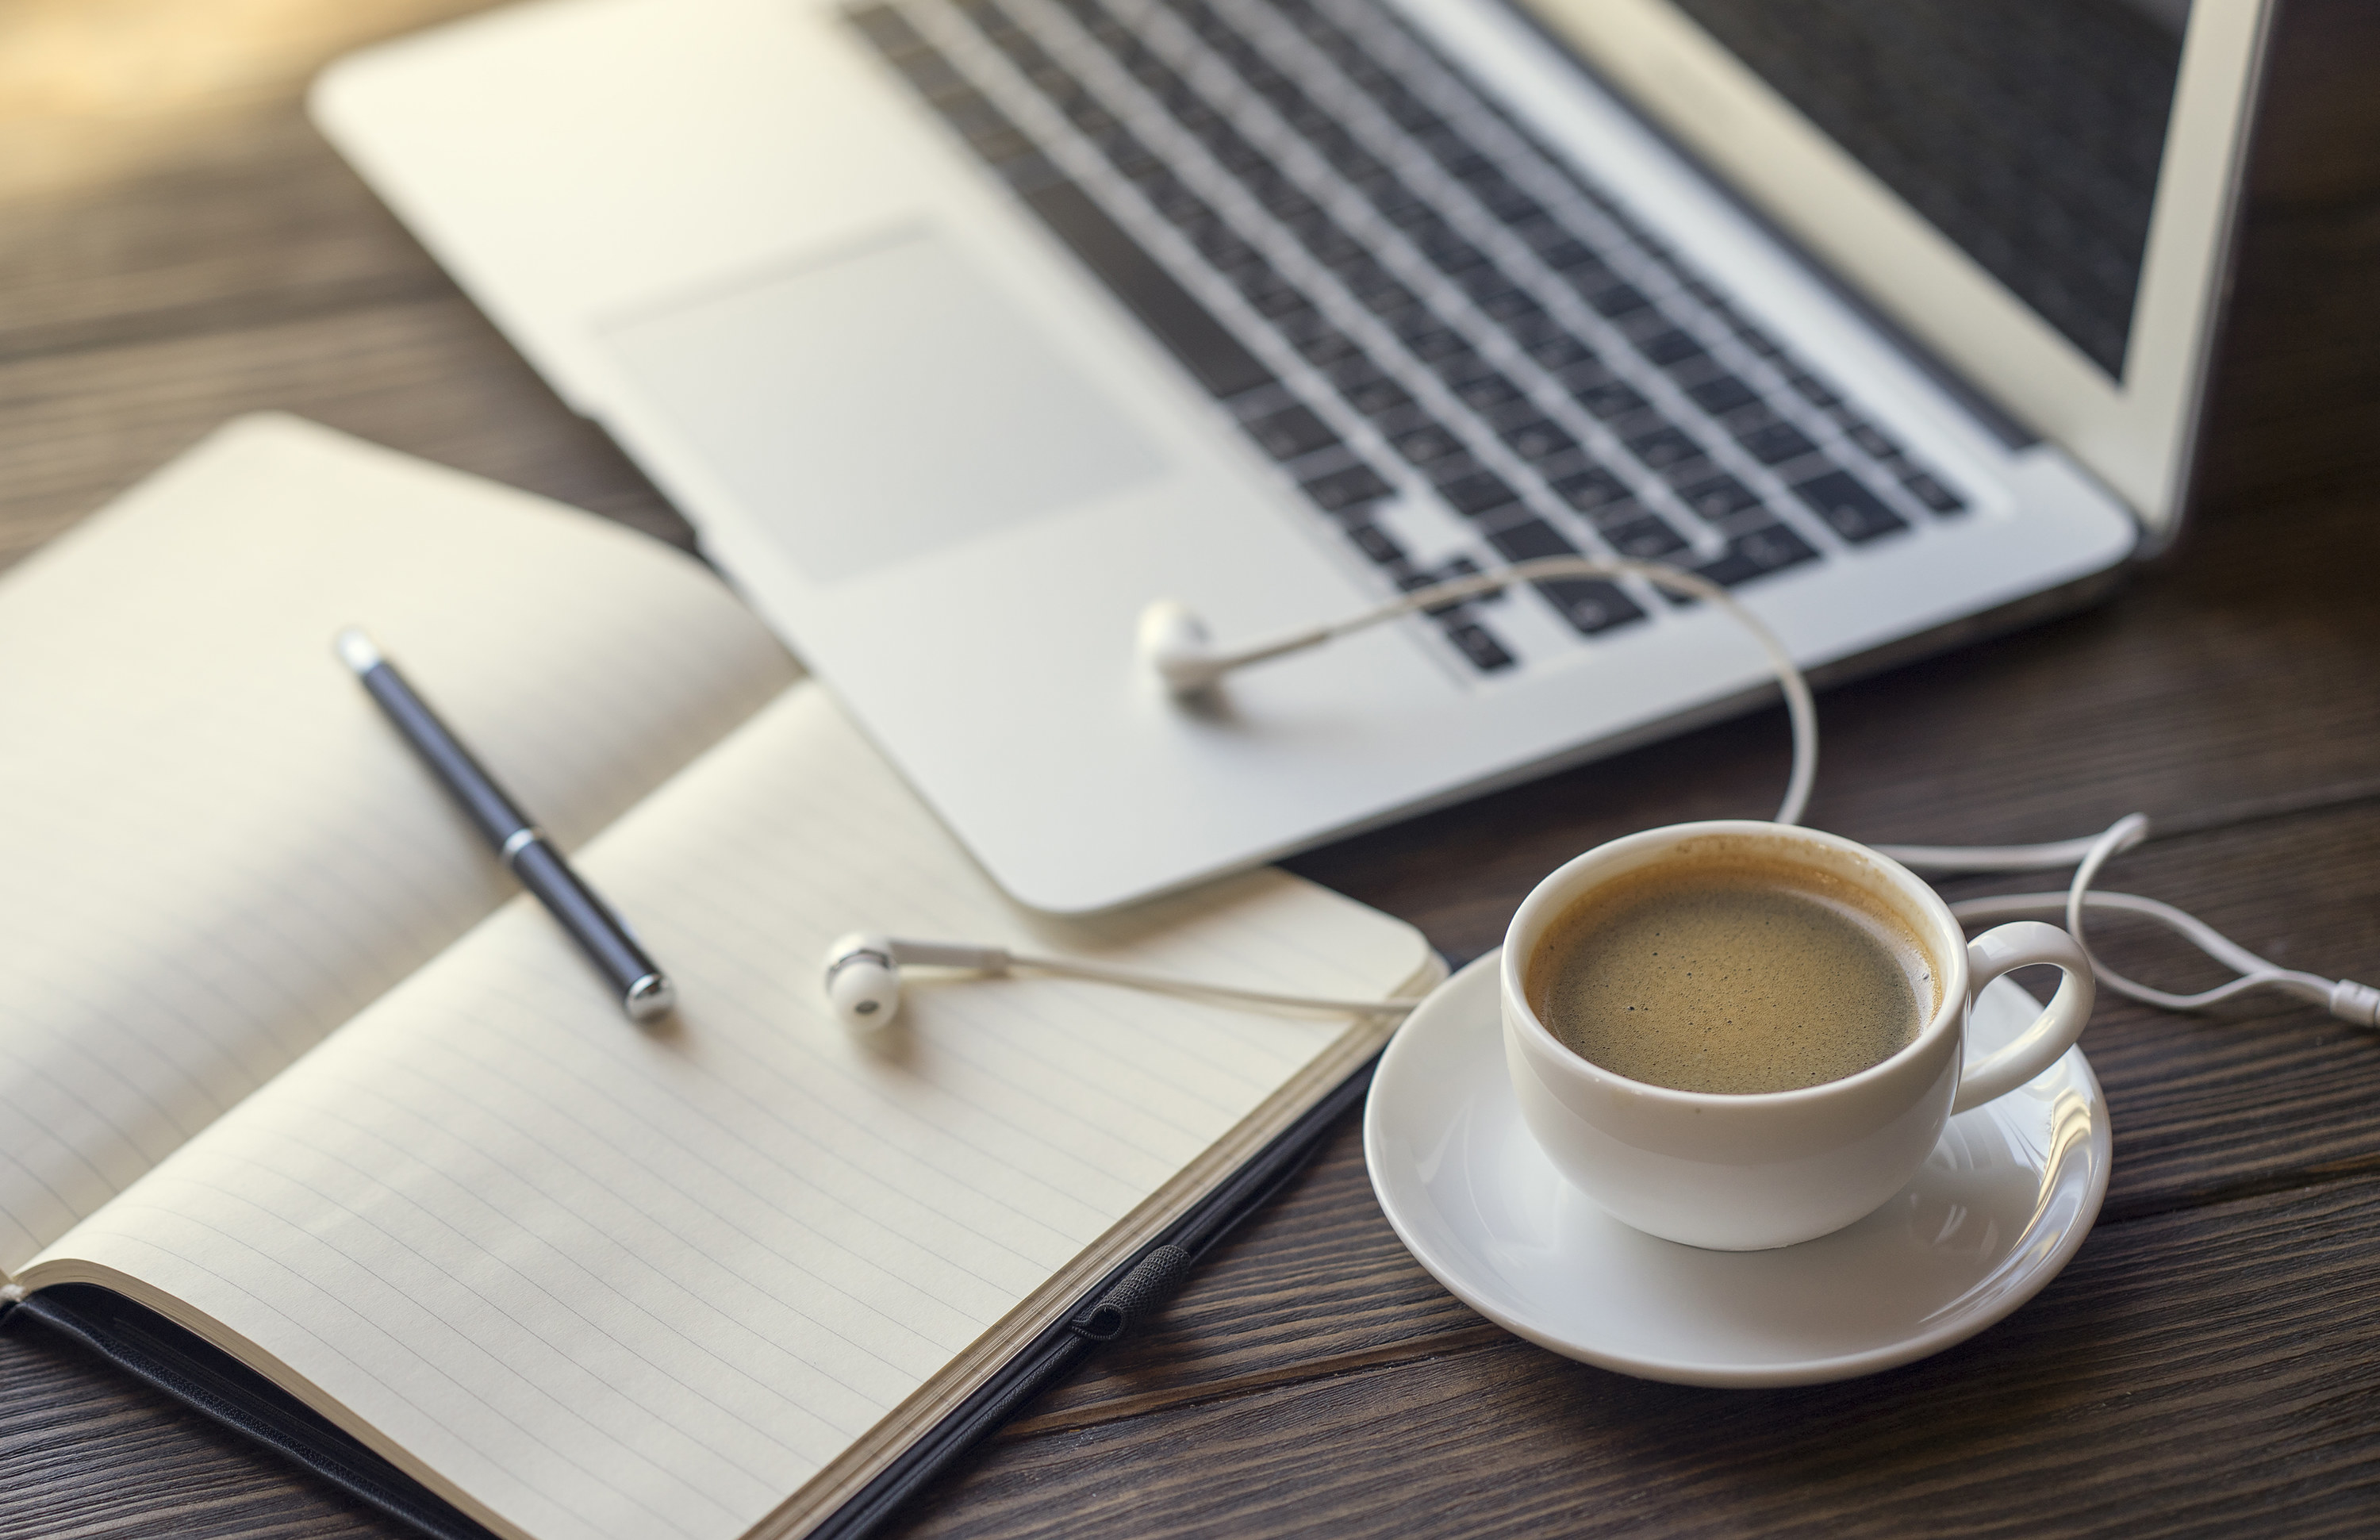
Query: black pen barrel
point(644, 992)
point(464, 778)
point(600, 933)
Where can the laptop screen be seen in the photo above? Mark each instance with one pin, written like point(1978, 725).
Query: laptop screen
point(2027, 131)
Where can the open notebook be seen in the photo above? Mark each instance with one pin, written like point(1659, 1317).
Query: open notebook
point(284, 1058)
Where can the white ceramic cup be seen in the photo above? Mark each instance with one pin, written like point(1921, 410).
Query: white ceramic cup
point(1749, 1172)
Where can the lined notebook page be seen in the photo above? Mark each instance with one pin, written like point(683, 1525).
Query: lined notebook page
point(216, 849)
point(593, 1282)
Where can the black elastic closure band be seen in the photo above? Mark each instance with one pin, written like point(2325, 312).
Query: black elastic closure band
point(1149, 1284)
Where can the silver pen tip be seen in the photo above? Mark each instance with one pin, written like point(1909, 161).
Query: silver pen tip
point(356, 650)
point(650, 998)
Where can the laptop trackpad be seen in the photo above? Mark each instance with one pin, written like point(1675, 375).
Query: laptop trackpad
point(878, 402)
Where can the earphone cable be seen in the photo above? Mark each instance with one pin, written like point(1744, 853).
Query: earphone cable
point(862, 970)
point(2345, 999)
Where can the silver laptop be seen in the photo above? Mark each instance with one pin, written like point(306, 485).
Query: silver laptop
point(965, 329)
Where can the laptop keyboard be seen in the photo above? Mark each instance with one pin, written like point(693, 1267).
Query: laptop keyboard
point(1454, 343)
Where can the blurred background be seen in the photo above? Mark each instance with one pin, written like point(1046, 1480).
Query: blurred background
point(177, 244)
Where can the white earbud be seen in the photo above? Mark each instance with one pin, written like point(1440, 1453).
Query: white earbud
point(863, 972)
point(1174, 642)
point(862, 980)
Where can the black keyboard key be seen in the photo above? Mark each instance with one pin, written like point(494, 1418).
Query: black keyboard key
point(1368, 390)
point(1771, 548)
point(1384, 296)
point(1183, 208)
point(1514, 308)
point(1484, 391)
point(1433, 344)
point(1475, 492)
point(1218, 361)
point(1647, 538)
point(1591, 488)
point(1503, 410)
point(1460, 157)
point(1872, 441)
point(1560, 350)
point(1356, 486)
point(1608, 399)
point(1585, 375)
point(1448, 251)
point(1533, 438)
point(1479, 645)
point(1460, 567)
point(1773, 443)
point(1127, 154)
point(1561, 250)
point(1848, 508)
point(1222, 246)
point(1414, 578)
point(1401, 207)
point(1270, 295)
point(1426, 444)
point(1484, 284)
point(1288, 202)
point(1588, 274)
point(1933, 493)
point(1374, 542)
point(1509, 203)
point(1530, 327)
point(1722, 393)
point(1757, 340)
point(1590, 604)
point(1325, 345)
point(1664, 446)
point(1815, 391)
point(1617, 300)
point(1716, 499)
point(1671, 347)
point(1533, 538)
point(1287, 434)
point(1332, 246)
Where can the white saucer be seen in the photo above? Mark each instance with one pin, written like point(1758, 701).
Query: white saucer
point(2003, 1202)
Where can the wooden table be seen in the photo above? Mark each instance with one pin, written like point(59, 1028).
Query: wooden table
point(176, 246)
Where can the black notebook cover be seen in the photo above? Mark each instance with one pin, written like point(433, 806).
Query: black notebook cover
point(216, 1385)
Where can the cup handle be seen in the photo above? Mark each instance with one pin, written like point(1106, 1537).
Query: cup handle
point(2002, 949)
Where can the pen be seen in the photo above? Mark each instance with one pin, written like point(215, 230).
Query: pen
point(644, 992)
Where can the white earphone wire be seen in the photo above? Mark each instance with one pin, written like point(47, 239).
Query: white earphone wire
point(1799, 707)
point(1135, 979)
point(2344, 998)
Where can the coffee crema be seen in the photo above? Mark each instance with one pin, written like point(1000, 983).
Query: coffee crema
point(1733, 974)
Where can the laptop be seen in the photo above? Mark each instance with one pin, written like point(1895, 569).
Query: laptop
point(963, 330)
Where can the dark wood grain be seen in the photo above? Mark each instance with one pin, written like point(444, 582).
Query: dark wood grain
point(426, 375)
point(2203, 1366)
point(2207, 1372)
point(85, 1451)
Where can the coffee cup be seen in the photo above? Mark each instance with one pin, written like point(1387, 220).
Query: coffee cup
point(1751, 1171)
